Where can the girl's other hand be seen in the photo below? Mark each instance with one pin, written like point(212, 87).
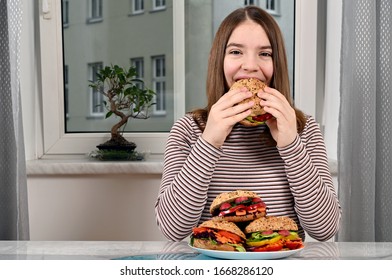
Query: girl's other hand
point(284, 126)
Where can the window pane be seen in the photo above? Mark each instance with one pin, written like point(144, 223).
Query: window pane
point(199, 35)
point(116, 39)
point(146, 41)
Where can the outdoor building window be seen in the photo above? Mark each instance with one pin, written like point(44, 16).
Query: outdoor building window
point(250, 2)
point(96, 108)
point(138, 63)
point(159, 84)
point(95, 11)
point(66, 103)
point(272, 6)
point(65, 14)
point(137, 6)
point(159, 4)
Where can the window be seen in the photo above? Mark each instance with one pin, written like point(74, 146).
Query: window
point(250, 2)
point(178, 79)
point(65, 9)
point(95, 11)
point(272, 6)
point(159, 84)
point(96, 97)
point(138, 63)
point(159, 4)
point(137, 6)
point(66, 104)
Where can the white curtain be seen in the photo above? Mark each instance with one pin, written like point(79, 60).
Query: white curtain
point(14, 224)
point(365, 125)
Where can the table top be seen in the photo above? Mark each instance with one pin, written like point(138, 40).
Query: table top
point(104, 250)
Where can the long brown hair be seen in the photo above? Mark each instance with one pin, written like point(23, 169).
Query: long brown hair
point(216, 82)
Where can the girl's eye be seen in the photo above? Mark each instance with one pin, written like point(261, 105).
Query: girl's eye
point(234, 52)
point(266, 54)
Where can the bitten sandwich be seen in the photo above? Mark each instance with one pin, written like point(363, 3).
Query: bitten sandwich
point(272, 234)
point(237, 206)
point(258, 115)
point(218, 235)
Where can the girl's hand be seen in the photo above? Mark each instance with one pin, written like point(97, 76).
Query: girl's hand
point(284, 126)
point(224, 114)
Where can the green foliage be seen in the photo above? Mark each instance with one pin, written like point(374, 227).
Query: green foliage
point(126, 96)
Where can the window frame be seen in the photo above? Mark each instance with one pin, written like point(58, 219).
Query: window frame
point(56, 142)
point(161, 5)
point(66, 90)
point(65, 13)
point(93, 69)
point(248, 3)
point(276, 10)
point(159, 109)
point(138, 63)
point(92, 17)
point(136, 11)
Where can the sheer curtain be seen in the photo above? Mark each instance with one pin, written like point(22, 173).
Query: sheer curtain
point(14, 224)
point(365, 125)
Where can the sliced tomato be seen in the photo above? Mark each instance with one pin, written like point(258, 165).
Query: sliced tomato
point(255, 206)
point(240, 199)
point(256, 200)
point(284, 232)
point(199, 230)
point(262, 118)
point(293, 244)
point(231, 236)
point(225, 206)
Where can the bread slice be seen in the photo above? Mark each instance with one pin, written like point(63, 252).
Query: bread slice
point(229, 197)
point(253, 85)
point(223, 225)
point(271, 223)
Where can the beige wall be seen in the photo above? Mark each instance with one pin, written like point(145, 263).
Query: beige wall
point(103, 207)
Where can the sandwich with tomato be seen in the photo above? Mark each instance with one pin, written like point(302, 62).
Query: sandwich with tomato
point(237, 206)
point(272, 234)
point(218, 235)
point(258, 116)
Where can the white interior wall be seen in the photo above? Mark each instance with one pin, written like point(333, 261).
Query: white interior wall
point(99, 207)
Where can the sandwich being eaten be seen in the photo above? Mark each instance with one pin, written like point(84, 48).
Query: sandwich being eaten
point(258, 115)
point(218, 235)
point(237, 206)
point(272, 234)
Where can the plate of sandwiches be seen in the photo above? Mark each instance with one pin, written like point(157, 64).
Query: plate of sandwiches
point(262, 237)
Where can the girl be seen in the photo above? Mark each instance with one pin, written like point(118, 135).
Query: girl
point(208, 152)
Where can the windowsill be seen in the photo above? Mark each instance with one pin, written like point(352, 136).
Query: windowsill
point(82, 165)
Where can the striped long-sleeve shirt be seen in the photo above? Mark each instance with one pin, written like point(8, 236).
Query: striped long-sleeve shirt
point(293, 181)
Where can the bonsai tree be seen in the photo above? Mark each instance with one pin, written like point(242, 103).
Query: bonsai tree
point(125, 97)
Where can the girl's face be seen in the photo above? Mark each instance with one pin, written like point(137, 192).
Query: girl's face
point(248, 54)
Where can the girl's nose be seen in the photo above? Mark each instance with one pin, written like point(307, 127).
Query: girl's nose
point(249, 64)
